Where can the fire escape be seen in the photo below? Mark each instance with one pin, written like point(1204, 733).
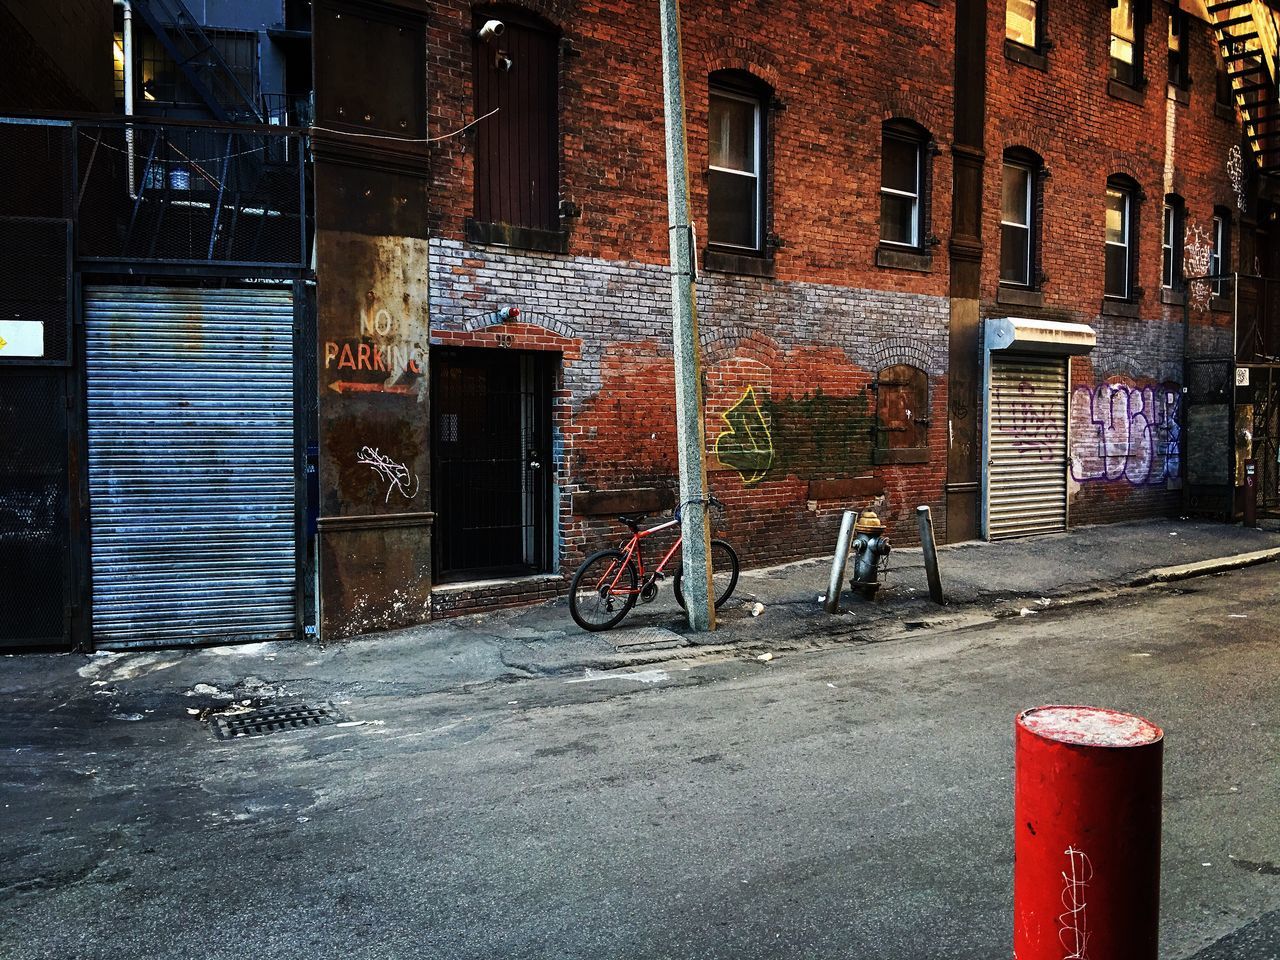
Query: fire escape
point(199, 60)
point(1247, 39)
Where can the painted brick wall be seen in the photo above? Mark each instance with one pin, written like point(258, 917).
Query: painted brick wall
point(787, 368)
point(1084, 134)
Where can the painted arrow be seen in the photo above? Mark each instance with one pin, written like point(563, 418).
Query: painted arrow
point(348, 386)
point(3, 343)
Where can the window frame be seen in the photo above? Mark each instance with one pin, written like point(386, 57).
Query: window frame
point(1129, 191)
point(1034, 168)
point(1179, 63)
point(724, 86)
point(1128, 74)
point(1038, 25)
point(1172, 243)
point(1220, 248)
point(919, 140)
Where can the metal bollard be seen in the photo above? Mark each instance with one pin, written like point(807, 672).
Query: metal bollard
point(1086, 849)
point(930, 546)
point(838, 562)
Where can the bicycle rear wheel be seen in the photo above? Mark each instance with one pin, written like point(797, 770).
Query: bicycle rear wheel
point(603, 590)
point(724, 573)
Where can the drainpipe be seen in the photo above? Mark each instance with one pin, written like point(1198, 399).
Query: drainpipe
point(126, 7)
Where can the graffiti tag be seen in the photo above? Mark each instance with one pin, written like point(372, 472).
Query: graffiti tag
point(747, 445)
point(1235, 171)
point(397, 476)
point(1126, 433)
point(1073, 926)
point(1032, 423)
point(1197, 262)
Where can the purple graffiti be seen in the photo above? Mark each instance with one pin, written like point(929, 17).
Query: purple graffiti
point(1120, 432)
point(1031, 422)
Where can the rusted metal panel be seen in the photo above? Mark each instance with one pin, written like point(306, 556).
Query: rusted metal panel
point(193, 506)
point(375, 470)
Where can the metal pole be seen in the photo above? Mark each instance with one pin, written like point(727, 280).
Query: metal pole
point(930, 546)
point(832, 602)
point(694, 525)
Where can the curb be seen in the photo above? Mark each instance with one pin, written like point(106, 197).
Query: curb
point(1205, 567)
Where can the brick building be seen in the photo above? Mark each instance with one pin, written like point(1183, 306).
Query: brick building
point(838, 285)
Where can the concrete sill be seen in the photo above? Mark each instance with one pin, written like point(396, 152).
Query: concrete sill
point(1120, 308)
point(895, 259)
point(466, 586)
point(719, 261)
point(524, 238)
point(1176, 298)
point(1025, 56)
point(1020, 297)
point(1178, 94)
point(1122, 91)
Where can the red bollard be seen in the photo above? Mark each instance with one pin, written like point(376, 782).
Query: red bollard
point(1086, 806)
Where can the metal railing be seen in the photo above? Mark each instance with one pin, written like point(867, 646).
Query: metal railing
point(152, 191)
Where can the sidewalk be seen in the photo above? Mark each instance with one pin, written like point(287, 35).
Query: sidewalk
point(981, 580)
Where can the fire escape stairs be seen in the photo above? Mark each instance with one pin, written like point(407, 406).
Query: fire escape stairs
point(199, 60)
point(1248, 40)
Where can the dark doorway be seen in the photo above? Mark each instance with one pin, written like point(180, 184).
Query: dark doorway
point(491, 457)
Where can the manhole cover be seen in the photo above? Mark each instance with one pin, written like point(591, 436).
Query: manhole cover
point(275, 719)
point(646, 638)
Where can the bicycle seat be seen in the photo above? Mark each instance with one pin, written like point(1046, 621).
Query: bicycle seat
point(633, 522)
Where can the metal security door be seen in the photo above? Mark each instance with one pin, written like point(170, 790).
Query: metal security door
point(192, 465)
point(491, 439)
point(1027, 444)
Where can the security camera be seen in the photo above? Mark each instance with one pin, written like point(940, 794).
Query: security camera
point(491, 30)
point(502, 62)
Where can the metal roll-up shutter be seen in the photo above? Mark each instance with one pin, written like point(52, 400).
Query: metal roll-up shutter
point(1027, 487)
point(192, 491)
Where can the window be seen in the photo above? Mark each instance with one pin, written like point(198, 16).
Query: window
point(1017, 214)
point(1219, 254)
point(736, 158)
point(1126, 42)
point(902, 182)
point(1179, 48)
point(902, 415)
point(162, 81)
point(1022, 22)
point(517, 150)
point(1171, 240)
point(1119, 258)
point(1224, 95)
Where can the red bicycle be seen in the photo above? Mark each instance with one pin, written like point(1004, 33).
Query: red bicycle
point(609, 582)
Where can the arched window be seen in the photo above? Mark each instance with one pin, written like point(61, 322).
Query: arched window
point(905, 153)
point(737, 158)
point(1121, 242)
point(902, 415)
point(1021, 209)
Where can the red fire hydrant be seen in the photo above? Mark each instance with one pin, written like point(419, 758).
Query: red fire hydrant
point(1086, 873)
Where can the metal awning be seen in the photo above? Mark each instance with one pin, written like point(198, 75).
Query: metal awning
point(1021, 335)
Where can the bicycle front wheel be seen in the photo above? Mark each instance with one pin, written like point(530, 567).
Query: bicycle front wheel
point(724, 573)
point(603, 590)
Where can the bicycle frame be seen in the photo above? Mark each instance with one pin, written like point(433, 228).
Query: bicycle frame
point(632, 549)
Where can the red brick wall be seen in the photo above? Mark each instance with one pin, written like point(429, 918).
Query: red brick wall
point(797, 351)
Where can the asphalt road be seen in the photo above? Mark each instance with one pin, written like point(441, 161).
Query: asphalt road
point(853, 802)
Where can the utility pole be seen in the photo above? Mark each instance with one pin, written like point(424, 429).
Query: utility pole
point(694, 524)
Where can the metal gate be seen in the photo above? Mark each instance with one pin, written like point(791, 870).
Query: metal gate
point(1027, 446)
point(1209, 489)
point(491, 456)
point(192, 465)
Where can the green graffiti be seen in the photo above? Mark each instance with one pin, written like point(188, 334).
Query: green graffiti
point(818, 436)
point(747, 444)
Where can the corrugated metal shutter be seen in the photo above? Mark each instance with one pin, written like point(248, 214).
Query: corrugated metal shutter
point(1027, 489)
point(191, 465)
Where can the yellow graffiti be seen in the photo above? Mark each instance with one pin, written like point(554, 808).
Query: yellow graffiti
point(746, 445)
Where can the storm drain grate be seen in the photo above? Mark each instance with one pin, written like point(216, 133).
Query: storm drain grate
point(275, 719)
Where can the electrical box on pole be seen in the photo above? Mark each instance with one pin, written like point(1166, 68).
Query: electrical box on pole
point(695, 525)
